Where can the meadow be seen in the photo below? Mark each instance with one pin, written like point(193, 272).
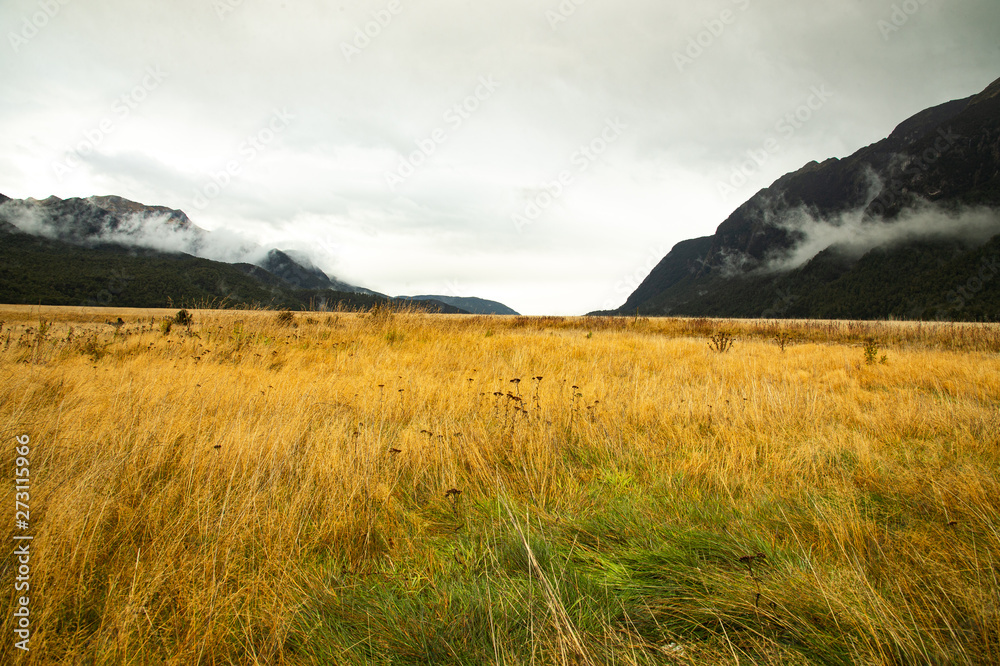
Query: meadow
point(403, 488)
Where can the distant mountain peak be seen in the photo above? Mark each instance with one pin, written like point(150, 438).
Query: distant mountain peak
point(469, 304)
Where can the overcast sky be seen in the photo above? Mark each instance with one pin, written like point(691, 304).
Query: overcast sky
point(538, 153)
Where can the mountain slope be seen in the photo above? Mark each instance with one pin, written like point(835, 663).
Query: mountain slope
point(43, 270)
point(35, 270)
point(96, 220)
point(298, 271)
point(468, 303)
point(922, 200)
point(102, 220)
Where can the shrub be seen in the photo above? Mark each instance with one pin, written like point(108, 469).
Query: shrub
point(89, 346)
point(285, 318)
point(871, 351)
point(721, 342)
point(783, 339)
point(183, 318)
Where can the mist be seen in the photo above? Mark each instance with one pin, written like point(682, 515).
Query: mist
point(853, 234)
point(155, 231)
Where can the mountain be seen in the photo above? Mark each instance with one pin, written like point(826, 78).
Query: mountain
point(298, 270)
point(906, 227)
point(468, 303)
point(94, 252)
point(97, 220)
point(37, 270)
point(111, 219)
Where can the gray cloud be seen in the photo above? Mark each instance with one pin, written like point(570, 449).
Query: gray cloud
point(322, 181)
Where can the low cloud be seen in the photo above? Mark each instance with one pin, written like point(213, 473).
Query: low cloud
point(853, 235)
point(156, 231)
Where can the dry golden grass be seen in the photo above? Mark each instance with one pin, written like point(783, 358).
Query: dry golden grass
point(242, 491)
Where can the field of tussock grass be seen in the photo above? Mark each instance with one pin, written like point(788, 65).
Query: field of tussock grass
point(401, 488)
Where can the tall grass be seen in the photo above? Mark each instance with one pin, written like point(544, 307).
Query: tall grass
point(374, 488)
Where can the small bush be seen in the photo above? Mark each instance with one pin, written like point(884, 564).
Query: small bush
point(91, 347)
point(166, 325)
point(721, 342)
point(285, 318)
point(783, 339)
point(183, 318)
point(871, 351)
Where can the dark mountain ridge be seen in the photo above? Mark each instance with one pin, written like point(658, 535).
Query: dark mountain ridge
point(933, 169)
point(296, 269)
point(43, 271)
point(89, 252)
point(88, 233)
point(470, 304)
point(103, 220)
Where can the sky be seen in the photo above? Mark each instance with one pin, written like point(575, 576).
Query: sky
point(542, 153)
